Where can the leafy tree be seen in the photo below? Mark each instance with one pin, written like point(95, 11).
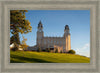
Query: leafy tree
point(15, 38)
point(11, 39)
point(71, 52)
point(24, 45)
point(18, 23)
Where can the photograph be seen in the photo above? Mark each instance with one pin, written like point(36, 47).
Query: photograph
point(49, 36)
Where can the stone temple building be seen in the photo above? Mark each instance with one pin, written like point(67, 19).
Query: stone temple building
point(61, 43)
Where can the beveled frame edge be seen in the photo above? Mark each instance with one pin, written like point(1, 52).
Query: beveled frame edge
point(97, 40)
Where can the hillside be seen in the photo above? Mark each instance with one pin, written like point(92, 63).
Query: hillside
point(45, 57)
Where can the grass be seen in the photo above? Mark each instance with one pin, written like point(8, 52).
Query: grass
point(45, 57)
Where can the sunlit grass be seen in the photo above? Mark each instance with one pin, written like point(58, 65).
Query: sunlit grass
point(45, 57)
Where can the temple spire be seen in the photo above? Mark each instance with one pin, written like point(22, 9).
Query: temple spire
point(40, 22)
point(40, 26)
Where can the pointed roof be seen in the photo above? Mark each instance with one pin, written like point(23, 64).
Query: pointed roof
point(66, 27)
point(40, 22)
point(40, 25)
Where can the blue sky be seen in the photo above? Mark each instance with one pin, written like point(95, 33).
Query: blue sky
point(54, 22)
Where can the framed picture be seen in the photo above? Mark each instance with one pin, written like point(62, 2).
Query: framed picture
point(49, 36)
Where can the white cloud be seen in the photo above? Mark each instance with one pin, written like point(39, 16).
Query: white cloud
point(85, 50)
point(86, 46)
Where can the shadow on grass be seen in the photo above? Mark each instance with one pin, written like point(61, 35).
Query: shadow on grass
point(23, 59)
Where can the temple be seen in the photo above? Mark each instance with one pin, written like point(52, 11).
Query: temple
point(62, 44)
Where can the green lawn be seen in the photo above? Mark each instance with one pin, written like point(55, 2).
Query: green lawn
point(45, 57)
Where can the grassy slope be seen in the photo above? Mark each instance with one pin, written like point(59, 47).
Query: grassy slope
point(45, 57)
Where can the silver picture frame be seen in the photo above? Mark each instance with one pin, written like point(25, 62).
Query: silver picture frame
point(92, 5)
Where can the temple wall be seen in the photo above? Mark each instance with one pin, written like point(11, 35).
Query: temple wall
point(50, 42)
point(69, 42)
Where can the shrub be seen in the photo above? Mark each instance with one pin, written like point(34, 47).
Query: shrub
point(39, 49)
point(48, 49)
point(44, 50)
point(24, 46)
point(71, 52)
point(56, 51)
point(61, 51)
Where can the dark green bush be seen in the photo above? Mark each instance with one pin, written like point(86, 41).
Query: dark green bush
point(39, 49)
point(56, 51)
point(71, 52)
point(48, 49)
point(61, 51)
point(44, 50)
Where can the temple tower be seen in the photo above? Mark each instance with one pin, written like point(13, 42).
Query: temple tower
point(40, 34)
point(67, 39)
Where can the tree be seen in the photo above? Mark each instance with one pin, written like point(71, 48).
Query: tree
point(15, 38)
point(18, 23)
point(24, 45)
point(71, 52)
point(11, 39)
